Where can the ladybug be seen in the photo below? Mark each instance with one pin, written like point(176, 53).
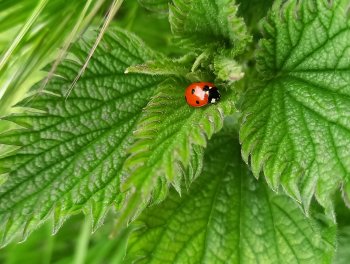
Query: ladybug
point(201, 93)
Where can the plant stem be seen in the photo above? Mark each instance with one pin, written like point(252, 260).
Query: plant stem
point(47, 253)
point(83, 242)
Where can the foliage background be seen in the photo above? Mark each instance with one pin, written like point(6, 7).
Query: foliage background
point(98, 247)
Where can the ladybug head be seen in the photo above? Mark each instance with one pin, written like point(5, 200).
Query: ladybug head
point(214, 95)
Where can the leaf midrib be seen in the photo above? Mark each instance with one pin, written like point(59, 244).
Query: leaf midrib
point(210, 215)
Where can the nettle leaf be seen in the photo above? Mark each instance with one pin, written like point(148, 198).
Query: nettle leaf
point(229, 217)
point(192, 67)
point(296, 125)
point(200, 23)
point(168, 147)
point(227, 69)
point(71, 152)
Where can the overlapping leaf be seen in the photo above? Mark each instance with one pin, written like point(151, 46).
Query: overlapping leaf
point(228, 217)
point(169, 141)
point(72, 151)
point(199, 23)
point(296, 125)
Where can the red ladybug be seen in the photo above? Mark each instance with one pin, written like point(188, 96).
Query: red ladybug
point(202, 93)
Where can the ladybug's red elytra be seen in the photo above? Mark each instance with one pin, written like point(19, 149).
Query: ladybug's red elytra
point(202, 93)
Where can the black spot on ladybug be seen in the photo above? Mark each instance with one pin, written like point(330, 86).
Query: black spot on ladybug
point(192, 91)
point(197, 102)
point(206, 88)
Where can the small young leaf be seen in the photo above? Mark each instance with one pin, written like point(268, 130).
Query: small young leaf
point(72, 152)
point(200, 23)
point(229, 217)
point(227, 69)
point(296, 125)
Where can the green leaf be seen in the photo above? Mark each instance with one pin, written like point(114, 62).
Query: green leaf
point(200, 23)
point(190, 66)
point(159, 6)
point(169, 141)
point(296, 125)
point(72, 151)
point(229, 217)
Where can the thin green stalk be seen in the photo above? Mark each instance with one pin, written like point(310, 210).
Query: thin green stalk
point(12, 78)
point(113, 10)
point(31, 65)
point(120, 249)
point(47, 254)
point(92, 14)
point(83, 20)
point(83, 242)
point(22, 33)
